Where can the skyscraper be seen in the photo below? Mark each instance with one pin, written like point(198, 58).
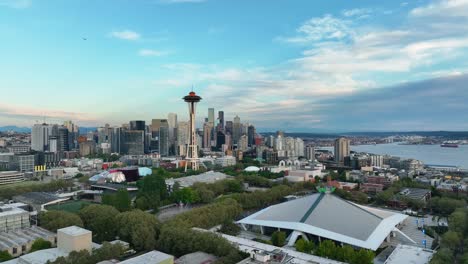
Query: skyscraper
point(236, 130)
point(251, 135)
point(192, 151)
point(229, 127)
point(342, 149)
point(137, 125)
point(172, 122)
point(310, 153)
point(182, 137)
point(211, 118)
point(207, 129)
point(220, 121)
point(40, 134)
point(132, 142)
point(160, 136)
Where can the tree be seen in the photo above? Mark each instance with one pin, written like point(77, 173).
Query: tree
point(443, 256)
point(4, 256)
point(105, 252)
point(363, 256)
point(40, 244)
point(152, 190)
point(327, 249)
point(120, 200)
point(451, 240)
point(139, 228)
point(185, 195)
point(53, 220)
point(458, 221)
point(100, 219)
point(278, 238)
point(230, 228)
point(301, 245)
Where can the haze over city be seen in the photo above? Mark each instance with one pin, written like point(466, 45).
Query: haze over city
point(302, 65)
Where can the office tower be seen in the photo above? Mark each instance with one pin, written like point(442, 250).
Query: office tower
point(207, 129)
point(182, 137)
point(137, 125)
point(236, 129)
point(211, 118)
point(310, 153)
point(115, 139)
point(164, 139)
point(220, 121)
point(251, 135)
point(159, 139)
point(132, 142)
point(73, 133)
point(342, 149)
point(299, 147)
point(220, 139)
point(229, 127)
point(53, 144)
point(172, 122)
point(243, 143)
point(40, 134)
point(192, 151)
point(63, 139)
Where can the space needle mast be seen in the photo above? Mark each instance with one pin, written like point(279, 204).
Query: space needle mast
point(192, 150)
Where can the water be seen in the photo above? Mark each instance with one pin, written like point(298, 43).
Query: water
point(429, 154)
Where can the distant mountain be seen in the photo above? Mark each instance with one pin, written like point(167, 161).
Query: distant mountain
point(444, 134)
point(16, 129)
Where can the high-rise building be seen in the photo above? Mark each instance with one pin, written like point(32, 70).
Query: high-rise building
point(137, 125)
point(342, 149)
point(220, 139)
point(243, 143)
point(160, 136)
point(63, 139)
point(132, 142)
point(236, 129)
point(73, 133)
point(164, 140)
point(211, 118)
point(220, 120)
point(310, 153)
point(251, 135)
point(172, 122)
point(182, 137)
point(229, 128)
point(207, 129)
point(40, 134)
point(115, 139)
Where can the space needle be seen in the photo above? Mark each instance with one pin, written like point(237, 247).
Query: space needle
point(192, 150)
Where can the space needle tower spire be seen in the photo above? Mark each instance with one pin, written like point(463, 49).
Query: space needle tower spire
point(192, 150)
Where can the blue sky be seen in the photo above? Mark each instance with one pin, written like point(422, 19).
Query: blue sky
point(286, 64)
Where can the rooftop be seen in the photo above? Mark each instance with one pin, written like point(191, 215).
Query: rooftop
point(207, 177)
point(22, 236)
point(196, 258)
point(329, 216)
point(150, 257)
point(36, 197)
point(410, 255)
point(74, 231)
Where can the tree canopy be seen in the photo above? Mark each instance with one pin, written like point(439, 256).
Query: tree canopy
point(53, 220)
point(100, 219)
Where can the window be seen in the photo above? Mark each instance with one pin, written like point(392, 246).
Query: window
point(15, 250)
point(23, 248)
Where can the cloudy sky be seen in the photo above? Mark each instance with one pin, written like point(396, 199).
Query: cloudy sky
point(296, 65)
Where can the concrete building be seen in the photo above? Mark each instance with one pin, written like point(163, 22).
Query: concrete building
point(225, 161)
point(19, 241)
point(87, 148)
point(8, 177)
point(40, 136)
point(19, 148)
point(243, 143)
point(377, 161)
point(342, 150)
point(310, 153)
point(69, 239)
point(39, 200)
point(12, 218)
point(236, 130)
point(303, 175)
point(132, 142)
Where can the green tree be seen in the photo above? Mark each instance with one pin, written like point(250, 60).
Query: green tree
point(443, 256)
point(138, 228)
point(4, 256)
point(363, 256)
point(347, 253)
point(40, 244)
point(230, 228)
point(185, 195)
point(301, 245)
point(120, 200)
point(451, 240)
point(278, 238)
point(458, 221)
point(152, 190)
point(53, 220)
point(327, 249)
point(100, 219)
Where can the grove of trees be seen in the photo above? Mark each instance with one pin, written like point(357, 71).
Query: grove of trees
point(328, 249)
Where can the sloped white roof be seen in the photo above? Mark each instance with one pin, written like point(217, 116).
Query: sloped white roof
point(252, 169)
point(328, 216)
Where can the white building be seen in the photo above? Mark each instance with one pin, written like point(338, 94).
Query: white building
point(40, 136)
point(225, 161)
point(13, 217)
point(7, 177)
point(377, 161)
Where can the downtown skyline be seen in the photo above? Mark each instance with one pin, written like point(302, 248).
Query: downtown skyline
point(334, 66)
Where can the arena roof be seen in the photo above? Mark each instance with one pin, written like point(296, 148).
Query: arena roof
point(329, 216)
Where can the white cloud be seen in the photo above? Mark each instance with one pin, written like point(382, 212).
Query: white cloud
point(357, 12)
point(126, 35)
point(17, 4)
point(322, 28)
point(441, 8)
point(151, 53)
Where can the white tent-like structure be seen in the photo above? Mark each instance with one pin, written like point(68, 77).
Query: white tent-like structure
point(326, 216)
point(252, 169)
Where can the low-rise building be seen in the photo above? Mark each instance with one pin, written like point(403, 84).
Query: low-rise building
point(12, 218)
point(18, 242)
point(39, 200)
point(8, 177)
point(372, 188)
point(225, 161)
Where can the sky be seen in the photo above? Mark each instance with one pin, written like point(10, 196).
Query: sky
point(294, 65)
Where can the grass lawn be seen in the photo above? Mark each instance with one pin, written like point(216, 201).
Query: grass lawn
point(71, 206)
